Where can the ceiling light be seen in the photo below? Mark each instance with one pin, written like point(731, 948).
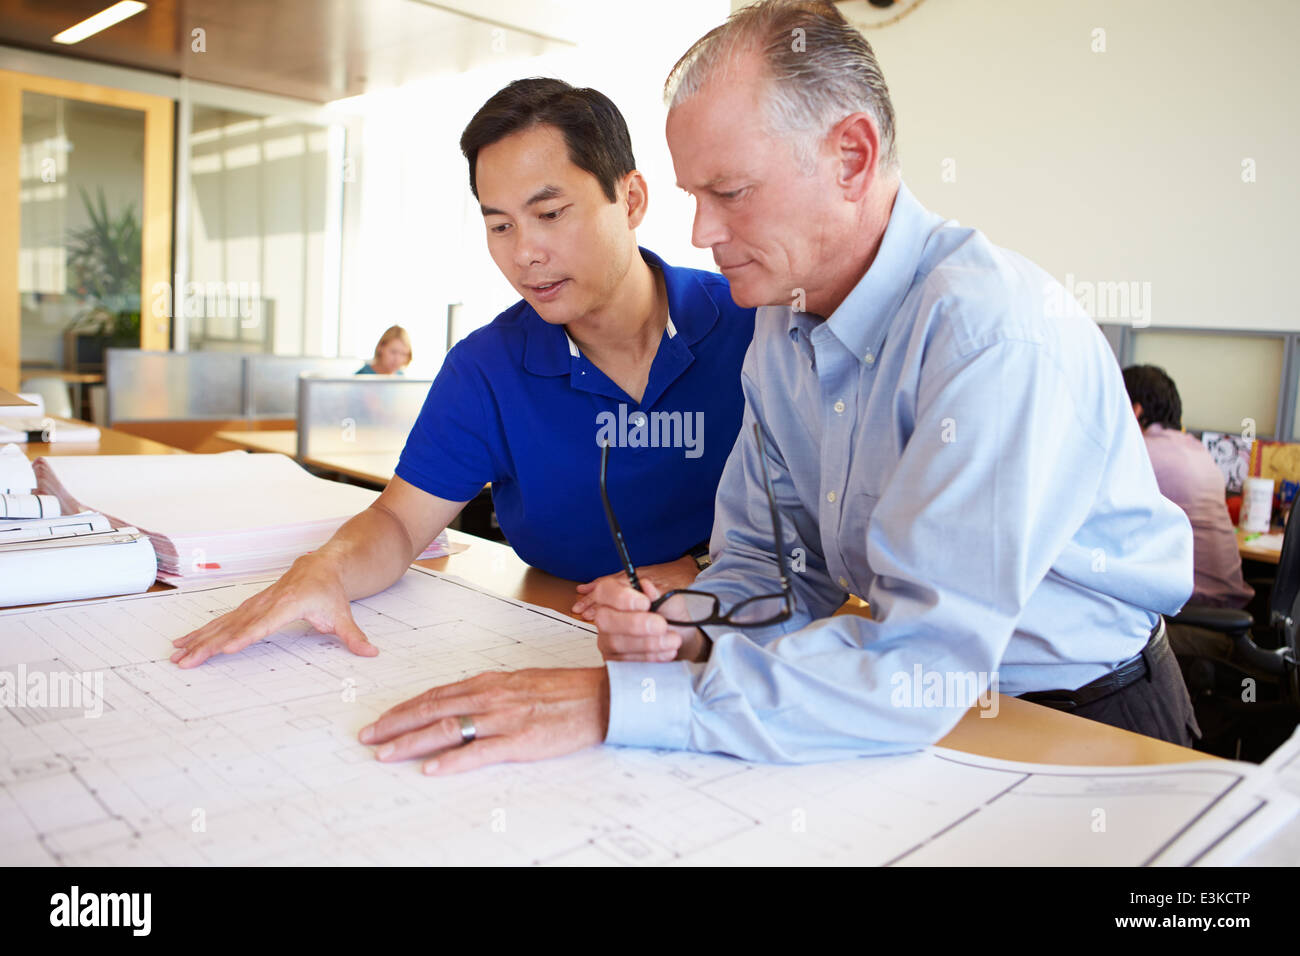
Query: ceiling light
point(100, 21)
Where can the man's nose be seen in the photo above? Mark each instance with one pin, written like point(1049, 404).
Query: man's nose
point(708, 229)
point(529, 250)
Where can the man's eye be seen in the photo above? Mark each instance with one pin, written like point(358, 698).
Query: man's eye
point(553, 215)
point(499, 228)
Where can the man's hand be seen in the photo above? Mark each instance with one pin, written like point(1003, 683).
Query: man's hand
point(666, 577)
point(520, 716)
point(629, 631)
point(309, 591)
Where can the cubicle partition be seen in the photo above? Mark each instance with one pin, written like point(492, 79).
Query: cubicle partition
point(184, 399)
point(1294, 389)
point(202, 386)
point(1230, 380)
point(272, 381)
point(357, 414)
point(173, 386)
point(355, 428)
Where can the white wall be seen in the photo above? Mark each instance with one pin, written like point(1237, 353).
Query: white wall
point(415, 238)
point(1115, 166)
point(1122, 166)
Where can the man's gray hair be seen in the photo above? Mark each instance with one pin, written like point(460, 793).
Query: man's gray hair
point(821, 70)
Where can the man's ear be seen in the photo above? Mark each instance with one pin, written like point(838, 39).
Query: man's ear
point(855, 143)
point(635, 197)
point(1137, 411)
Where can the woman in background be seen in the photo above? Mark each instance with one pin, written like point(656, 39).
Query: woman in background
point(392, 354)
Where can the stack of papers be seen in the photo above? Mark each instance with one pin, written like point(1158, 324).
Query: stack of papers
point(211, 517)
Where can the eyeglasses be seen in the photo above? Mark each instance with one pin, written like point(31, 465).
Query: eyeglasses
point(700, 607)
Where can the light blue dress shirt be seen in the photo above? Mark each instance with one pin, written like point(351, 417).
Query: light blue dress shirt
point(956, 445)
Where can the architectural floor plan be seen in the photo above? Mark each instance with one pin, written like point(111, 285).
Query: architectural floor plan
point(254, 758)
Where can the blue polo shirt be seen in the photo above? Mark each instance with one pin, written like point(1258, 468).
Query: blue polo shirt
point(517, 404)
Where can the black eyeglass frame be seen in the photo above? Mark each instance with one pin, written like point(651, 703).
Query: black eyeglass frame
point(715, 617)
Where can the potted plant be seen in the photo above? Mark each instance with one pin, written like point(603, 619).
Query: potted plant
point(104, 265)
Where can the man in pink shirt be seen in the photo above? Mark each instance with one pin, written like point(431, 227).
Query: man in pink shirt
point(1188, 477)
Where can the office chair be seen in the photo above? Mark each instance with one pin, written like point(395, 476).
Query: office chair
point(54, 391)
point(1246, 697)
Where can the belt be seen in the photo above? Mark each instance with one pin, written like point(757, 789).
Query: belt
point(1132, 670)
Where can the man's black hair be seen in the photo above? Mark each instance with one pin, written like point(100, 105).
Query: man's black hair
point(593, 128)
point(1150, 387)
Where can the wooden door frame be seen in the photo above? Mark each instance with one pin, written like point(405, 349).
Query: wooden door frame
point(155, 217)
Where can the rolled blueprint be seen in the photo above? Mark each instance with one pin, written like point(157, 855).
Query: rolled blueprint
point(28, 506)
point(96, 565)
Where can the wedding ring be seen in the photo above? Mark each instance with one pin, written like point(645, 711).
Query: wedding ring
point(467, 731)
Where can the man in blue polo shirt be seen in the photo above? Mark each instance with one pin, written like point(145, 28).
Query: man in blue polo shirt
point(522, 404)
point(610, 346)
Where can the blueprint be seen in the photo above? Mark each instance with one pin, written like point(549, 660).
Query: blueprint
point(1281, 848)
point(110, 754)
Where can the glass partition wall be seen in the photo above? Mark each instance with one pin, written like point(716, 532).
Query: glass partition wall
point(85, 225)
point(260, 254)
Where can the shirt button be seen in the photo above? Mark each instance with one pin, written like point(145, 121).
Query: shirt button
point(869, 358)
point(638, 420)
point(839, 408)
point(830, 496)
point(844, 582)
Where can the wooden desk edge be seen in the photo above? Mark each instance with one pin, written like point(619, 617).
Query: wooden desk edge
point(1251, 552)
point(110, 443)
point(274, 441)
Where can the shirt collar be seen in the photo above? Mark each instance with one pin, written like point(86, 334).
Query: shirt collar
point(864, 317)
point(692, 313)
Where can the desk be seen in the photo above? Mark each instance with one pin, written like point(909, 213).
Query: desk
point(1249, 550)
point(375, 468)
point(78, 380)
point(283, 442)
point(1020, 731)
point(110, 443)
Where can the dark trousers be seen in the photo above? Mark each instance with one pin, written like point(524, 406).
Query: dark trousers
point(1155, 704)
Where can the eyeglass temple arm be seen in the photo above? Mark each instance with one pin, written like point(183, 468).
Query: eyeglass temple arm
point(619, 543)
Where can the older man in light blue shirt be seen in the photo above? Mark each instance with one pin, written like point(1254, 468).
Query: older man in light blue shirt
point(946, 434)
point(942, 446)
point(952, 441)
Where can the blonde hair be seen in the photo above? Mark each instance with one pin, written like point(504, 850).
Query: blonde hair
point(395, 332)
